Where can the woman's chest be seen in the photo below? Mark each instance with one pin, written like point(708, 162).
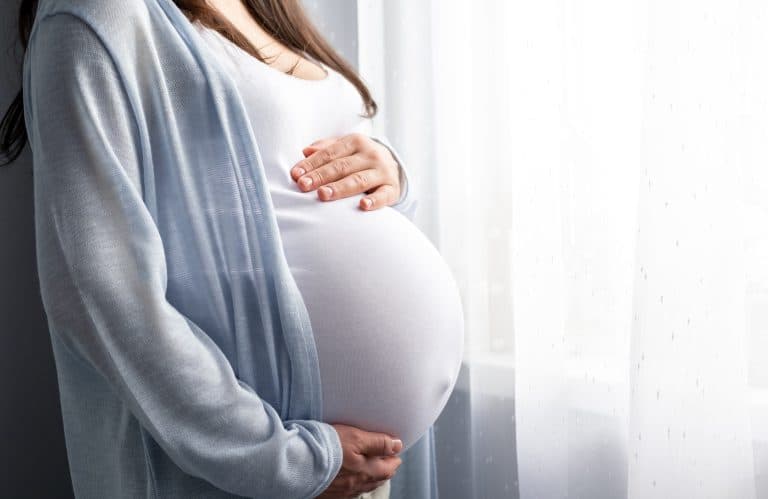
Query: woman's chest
point(286, 112)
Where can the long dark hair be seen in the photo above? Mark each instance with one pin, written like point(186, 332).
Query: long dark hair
point(285, 20)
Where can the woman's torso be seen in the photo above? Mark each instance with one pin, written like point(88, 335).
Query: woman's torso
point(384, 307)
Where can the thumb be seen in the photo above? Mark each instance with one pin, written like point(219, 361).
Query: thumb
point(381, 444)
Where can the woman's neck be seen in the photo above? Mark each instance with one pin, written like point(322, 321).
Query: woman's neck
point(278, 55)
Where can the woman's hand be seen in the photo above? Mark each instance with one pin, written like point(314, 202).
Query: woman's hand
point(339, 167)
point(370, 459)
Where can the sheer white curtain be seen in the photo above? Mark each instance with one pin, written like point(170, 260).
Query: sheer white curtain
point(596, 175)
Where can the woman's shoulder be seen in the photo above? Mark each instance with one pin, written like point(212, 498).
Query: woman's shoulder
point(109, 19)
point(76, 46)
point(117, 10)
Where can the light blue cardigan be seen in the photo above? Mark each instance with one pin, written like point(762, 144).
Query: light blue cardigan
point(186, 362)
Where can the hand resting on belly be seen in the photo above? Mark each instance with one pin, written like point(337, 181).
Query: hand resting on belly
point(385, 310)
point(338, 167)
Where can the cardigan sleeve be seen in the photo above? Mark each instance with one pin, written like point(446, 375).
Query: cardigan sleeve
point(408, 202)
point(103, 280)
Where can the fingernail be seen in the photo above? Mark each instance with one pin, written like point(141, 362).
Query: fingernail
point(300, 171)
point(397, 445)
point(367, 202)
point(306, 181)
point(327, 191)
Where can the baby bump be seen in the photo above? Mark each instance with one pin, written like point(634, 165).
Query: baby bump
point(386, 315)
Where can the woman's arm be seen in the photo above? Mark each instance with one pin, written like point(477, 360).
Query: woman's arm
point(103, 281)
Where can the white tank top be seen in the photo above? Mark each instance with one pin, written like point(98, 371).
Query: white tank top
point(384, 307)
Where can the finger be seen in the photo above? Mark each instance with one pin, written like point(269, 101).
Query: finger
point(369, 486)
point(338, 169)
point(345, 146)
point(381, 468)
point(380, 444)
point(355, 182)
point(307, 151)
point(382, 196)
point(317, 145)
point(346, 485)
point(357, 483)
point(326, 140)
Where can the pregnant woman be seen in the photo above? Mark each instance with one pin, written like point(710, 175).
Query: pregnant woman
point(221, 326)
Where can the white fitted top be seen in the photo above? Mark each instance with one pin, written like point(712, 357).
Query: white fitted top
point(385, 310)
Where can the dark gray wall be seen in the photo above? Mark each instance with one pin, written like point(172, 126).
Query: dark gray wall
point(33, 460)
point(32, 455)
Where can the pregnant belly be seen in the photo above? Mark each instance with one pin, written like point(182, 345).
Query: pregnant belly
point(385, 312)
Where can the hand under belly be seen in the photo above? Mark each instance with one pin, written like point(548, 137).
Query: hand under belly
point(385, 312)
